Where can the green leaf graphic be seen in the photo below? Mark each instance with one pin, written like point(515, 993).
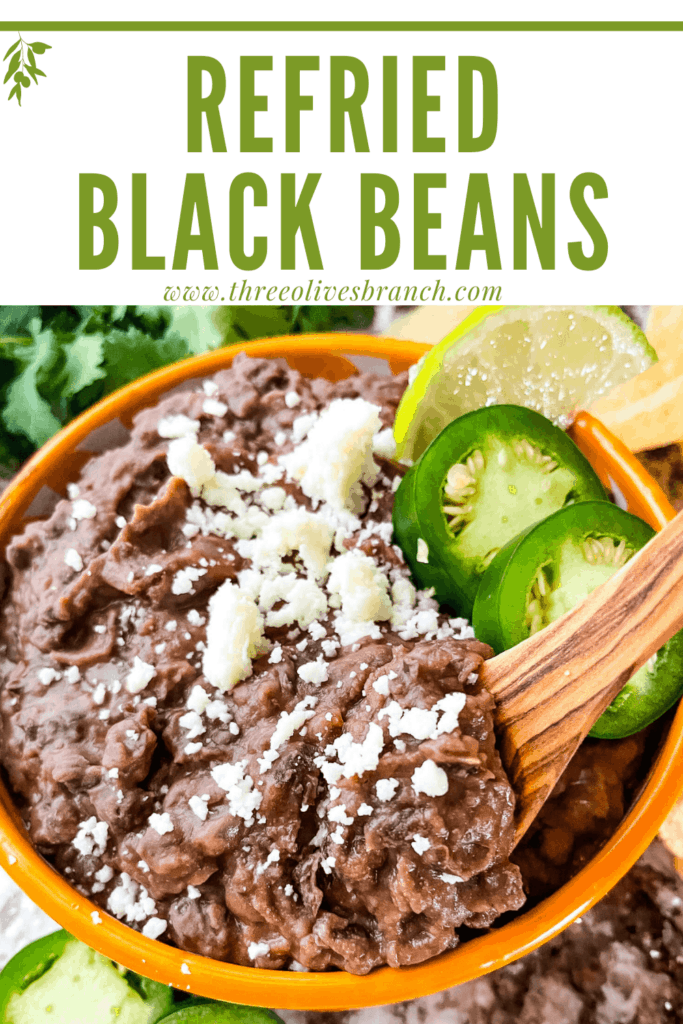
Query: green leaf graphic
point(13, 65)
point(23, 64)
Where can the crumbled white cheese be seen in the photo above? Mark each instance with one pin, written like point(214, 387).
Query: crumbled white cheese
point(193, 893)
point(199, 807)
point(364, 810)
point(451, 705)
point(422, 551)
point(210, 388)
point(302, 425)
point(130, 901)
point(234, 636)
point(363, 590)
point(385, 789)
point(190, 461)
point(177, 426)
point(384, 444)
point(336, 458)
point(243, 798)
point(194, 618)
point(304, 601)
point(420, 723)
point(184, 969)
point(288, 723)
point(272, 858)
point(275, 655)
point(212, 407)
point(161, 823)
point(47, 675)
point(317, 630)
point(73, 559)
point(403, 596)
point(257, 949)
point(83, 509)
point(193, 723)
point(105, 874)
point(338, 835)
point(217, 711)
point(198, 700)
point(430, 779)
point(273, 498)
point(450, 879)
point(358, 758)
point(72, 674)
point(152, 569)
point(292, 399)
point(193, 748)
point(184, 578)
point(95, 917)
point(154, 927)
point(91, 837)
point(99, 693)
point(338, 814)
point(381, 685)
point(140, 675)
point(424, 620)
point(420, 844)
point(294, 530)
point(314, 671)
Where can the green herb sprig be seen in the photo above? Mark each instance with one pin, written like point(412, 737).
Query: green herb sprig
point(22, 63)
point(56, 361)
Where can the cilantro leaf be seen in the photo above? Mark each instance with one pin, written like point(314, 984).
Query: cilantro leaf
point(130, 354)
point(56, 361)
point(26, 411)
point(82, 364)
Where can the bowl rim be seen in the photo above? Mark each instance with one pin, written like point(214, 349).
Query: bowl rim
point(334, 990)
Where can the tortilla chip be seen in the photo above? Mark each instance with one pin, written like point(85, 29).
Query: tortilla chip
point(647, 411)
point(671, 832)
point(428, 323)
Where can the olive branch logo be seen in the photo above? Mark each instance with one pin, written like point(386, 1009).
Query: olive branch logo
point(23, 60)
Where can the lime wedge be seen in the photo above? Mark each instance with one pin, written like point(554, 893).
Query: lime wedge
point(554, 359)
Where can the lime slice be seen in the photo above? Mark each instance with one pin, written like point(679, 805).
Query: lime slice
point(554, 359)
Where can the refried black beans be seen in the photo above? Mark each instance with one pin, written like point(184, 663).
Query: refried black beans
point(227, 716)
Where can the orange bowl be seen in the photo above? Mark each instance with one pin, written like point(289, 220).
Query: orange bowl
point(59, 462)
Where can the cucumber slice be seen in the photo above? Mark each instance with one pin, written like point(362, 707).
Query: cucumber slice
point(60, 980)
point(488, 475)
point(549, 568)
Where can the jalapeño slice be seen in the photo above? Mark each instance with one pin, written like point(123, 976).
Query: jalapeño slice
point(59, 979)
point(549, 568)
point(196, 1012)
point(488, 475)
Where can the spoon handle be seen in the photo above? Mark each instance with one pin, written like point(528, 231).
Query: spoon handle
point(551, 689)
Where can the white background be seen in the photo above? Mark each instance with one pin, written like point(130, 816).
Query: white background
point(115, 104)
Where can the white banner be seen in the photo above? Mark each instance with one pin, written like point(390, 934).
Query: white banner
point(572, 196)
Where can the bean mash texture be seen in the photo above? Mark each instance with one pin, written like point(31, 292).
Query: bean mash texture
point(228, 717)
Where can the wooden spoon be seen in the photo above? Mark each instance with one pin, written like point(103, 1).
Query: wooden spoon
point(552, 688)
